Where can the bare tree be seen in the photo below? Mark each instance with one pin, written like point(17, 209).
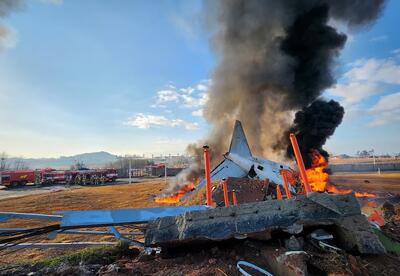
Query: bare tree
point(79, 165)
point(4, 165)
point(123, 163)
point(364, 153)
point(20, 165)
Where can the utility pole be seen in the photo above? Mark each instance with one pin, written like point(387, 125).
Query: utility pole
point(373, 155)
point(165, 170)
point(130, 170)
point(1, 169)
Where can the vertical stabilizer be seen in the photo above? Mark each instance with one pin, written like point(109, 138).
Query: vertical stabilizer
point(239, 143)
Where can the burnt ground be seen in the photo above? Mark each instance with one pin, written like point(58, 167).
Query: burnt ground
point(216, 259)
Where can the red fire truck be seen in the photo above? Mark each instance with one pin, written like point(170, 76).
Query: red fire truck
point(111, 174)
point(50, 176)
point(17, 178)
point(53, 177)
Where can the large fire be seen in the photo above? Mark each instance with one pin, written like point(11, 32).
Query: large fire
point(318, 178)
point(316, 175)
point(175, 197)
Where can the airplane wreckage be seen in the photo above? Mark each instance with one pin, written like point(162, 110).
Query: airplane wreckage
point(291, 212)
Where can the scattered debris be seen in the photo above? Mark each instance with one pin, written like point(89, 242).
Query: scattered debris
point(285, 264)
point(247, 264)
point(247, 190)
point(294, 244)
point(321, 235)
point(340, 210)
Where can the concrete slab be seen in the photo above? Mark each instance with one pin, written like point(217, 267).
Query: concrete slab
point(341, 210)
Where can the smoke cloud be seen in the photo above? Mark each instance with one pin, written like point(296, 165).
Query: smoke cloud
point(7, 34)
point(274, 59)
point(313, 125)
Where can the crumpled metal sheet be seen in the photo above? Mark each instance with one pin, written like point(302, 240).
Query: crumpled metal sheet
point(121, 216)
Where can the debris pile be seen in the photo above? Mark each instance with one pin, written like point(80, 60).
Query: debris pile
point(262, 219)
point(391, 214)
point(247, 190)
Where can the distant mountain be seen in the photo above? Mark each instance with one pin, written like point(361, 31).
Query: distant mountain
point(92, 159)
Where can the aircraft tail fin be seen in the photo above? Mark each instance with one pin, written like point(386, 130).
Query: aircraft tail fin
point(239, 143)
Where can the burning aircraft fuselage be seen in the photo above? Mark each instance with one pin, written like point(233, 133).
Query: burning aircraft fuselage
point(239, 162)
point(259, 168)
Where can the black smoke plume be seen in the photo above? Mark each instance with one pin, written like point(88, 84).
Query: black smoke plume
point(312, 45)
point(313, 125)
point(8, 5)
point(275, 58)
point(6, 34)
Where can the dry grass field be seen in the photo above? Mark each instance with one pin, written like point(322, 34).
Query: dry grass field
point(105, 197)
point(370, 182)
point(355, 160)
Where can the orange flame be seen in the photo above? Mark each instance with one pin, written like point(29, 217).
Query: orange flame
point(316, 175)
point(377, 218)
point(318, 178)
point(175, 197)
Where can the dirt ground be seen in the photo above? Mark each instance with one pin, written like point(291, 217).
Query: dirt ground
point(132, 196)
point(353, 160)
point(85, 198)
point(369, 182)
point(31, 189)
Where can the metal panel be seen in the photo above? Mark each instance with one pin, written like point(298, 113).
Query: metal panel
point(4, 216)
point(74, 232)
point(225, 169)
point(239, 143)
point(74, 219)
point(56, 245)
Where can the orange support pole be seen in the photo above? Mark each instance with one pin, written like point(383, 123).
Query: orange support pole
point(278, 193)
point(225, 188)
point(300, 163)
point(286, 183)
point(207, 175)
point(234, 197)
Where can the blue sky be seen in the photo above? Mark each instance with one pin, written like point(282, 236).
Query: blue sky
point(132, 76)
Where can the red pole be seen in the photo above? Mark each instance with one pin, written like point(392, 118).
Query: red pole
point(225, 188)
point(300, 163)
point(278, 193)
point(207, 175)
point(234, 197)
point(285, 182)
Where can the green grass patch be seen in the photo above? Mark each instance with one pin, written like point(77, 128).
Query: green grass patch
point(389, 244)
point(93, 255)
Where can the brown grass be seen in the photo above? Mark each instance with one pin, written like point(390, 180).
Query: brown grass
point(104, 197)
point(88, 198)
point(372, 182)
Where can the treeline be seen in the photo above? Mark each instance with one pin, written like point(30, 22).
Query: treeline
point(123, 163)
point(16, 165)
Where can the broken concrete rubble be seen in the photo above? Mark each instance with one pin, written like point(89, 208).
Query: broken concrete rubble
point(285, 264)
point(294, 244)
point(341, 211)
